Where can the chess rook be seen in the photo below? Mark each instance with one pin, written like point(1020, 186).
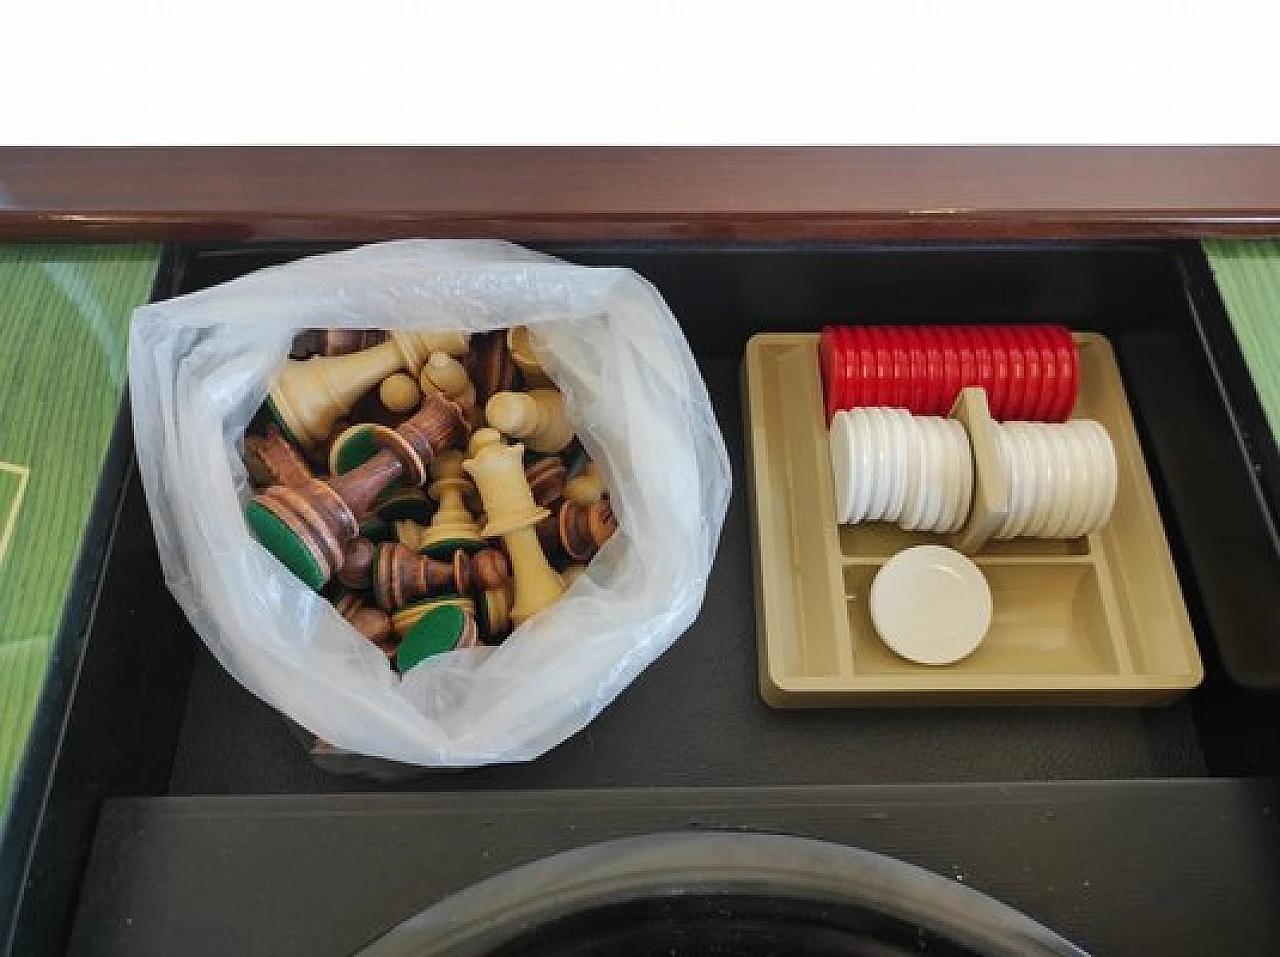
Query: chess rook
point(538, 417)
point(401, 577)
point(307, 526)
point(498, 471)
point(271, 459)
point(306, 397)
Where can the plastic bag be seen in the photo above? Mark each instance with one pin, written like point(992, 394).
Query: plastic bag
point(199, 367)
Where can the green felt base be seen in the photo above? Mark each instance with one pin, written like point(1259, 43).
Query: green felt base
point(443, 550)
point(404, 504)
point(434, 633)
point(282, 542)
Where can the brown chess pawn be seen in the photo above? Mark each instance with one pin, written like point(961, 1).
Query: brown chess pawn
point(498, 471)
point(357, 563)
point(577, 530)
point(538, 417)
point(271, 459)
point(546, 478)
point(401, 576)
point(490, 364)
point(334, 342)
point(587, 485)
point(307, 526)
point(452, 527)
point(446, 375)
point(525, 358)
point(306, 397)
point(373, 623)
point(399, 393)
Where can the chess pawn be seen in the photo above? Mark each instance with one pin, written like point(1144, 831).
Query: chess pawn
point(490, 364)
point(399, 393)
point(498, 471)
point(446, 375)
point(525, 358)
point(452, 527)
point(546, 478)
point(307, 526)
point(577, 529)
point(271, 459)
point(401, 576)
point(357, 563)
point(538, 417)
point(306, 397)
point(334, 342)
point(587, 485)
point(373, 623)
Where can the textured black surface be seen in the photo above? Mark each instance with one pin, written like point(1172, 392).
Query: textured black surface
point(1168, 868)
point(696, 718)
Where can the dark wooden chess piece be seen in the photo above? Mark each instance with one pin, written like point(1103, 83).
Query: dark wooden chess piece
point(401, 576)
point(373, 623)
point(307, 526)
point(490, 365)
point(576, 529)
point(334, 342)
point(271, 459)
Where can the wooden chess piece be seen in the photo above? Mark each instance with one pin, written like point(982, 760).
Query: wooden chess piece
point(438, 631)
point(538, 417)
point(587, 485)
point(577, 530)
point(493, 612)
point(526, 360)
point(401, 576)
point(357, 563)
point(498, 471)
point(446, 375)
point(546, 478)
point(307, 526)
point(271, 459)
point(334, 342)
point(399, 392)
point(373, 623)
point(490, 364)
point(452, 527)
point(306, 397)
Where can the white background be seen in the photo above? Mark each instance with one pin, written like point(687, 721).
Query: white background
point(374, 71)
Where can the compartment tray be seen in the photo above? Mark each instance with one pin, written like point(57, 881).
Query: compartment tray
point(1096, 620)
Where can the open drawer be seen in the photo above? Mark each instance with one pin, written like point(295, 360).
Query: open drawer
point(153, 714)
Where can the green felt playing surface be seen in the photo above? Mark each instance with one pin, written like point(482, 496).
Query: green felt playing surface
point(282, 542)
point(64, 313)
point(1248, 276)
point(434, 633)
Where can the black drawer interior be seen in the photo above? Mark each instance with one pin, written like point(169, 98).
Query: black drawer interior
point(154, 714)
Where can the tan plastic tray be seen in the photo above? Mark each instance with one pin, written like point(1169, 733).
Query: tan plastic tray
point(1096, 620)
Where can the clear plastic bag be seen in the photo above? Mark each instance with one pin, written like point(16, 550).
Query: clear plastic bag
point(199, 366)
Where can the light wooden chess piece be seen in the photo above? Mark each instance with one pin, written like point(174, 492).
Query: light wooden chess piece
point(513, 515)
point(538, 417)
point(308, 526)
point(306, 397)
point(525, 358)
point(446, 375)
point(452, 527)
point(587, 485)
point(399, 393)
point(271, 459)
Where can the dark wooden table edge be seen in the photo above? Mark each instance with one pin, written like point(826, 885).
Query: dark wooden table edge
point(215, 225)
